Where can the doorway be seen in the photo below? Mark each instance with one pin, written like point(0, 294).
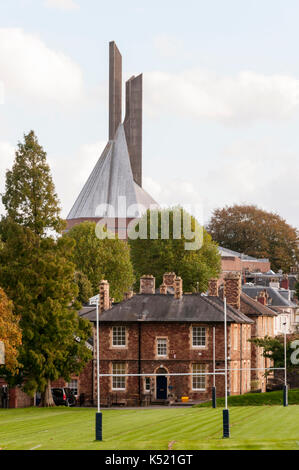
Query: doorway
point(161, 384)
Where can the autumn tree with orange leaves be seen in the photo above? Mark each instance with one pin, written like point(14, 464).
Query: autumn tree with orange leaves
point(10, 333)
point(256, 232)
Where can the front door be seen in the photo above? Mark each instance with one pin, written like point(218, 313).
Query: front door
point(161, 387)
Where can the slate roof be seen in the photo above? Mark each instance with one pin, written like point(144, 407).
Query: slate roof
point(278, 300)
point(111, 177)
point(259, 308)
point(165, 308)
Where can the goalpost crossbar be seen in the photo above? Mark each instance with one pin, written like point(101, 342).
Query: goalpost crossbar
point(162, 375)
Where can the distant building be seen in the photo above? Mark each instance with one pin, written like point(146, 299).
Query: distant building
point(234, 261)
point(279, 300)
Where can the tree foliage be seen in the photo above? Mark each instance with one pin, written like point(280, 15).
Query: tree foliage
point(159, 255)
point(84, 285)
point(102, 259)
point(38, 276)
point(10, 334)
point(273, 348)
point(250, 230)
point(30, 197)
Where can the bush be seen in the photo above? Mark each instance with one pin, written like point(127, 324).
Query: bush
point(256, 399)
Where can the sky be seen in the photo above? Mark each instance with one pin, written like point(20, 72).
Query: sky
point(220, 95)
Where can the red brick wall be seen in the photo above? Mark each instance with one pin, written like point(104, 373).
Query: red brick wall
point(180, 358)
point(19, 399)
point(232, 263)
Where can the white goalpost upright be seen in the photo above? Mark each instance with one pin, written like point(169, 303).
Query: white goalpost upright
point(226, 432)
point(99, 425)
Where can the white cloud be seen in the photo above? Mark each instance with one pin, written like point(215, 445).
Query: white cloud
point(7, 152)
point(30, 69)
point(70, 172)
point(252, 172)
point(176, 192)
point(201, 94)
point(62, 4)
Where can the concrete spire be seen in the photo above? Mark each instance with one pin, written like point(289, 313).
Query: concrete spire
point(115, 89)
point(133, 125)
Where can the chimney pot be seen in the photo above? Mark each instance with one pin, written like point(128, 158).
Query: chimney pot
point(178, 288)
point(163, 289)
point(147, 284)
point(128, 295)
point(169, 279)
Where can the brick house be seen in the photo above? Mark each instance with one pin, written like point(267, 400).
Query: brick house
point(166, 331)
point(162, 331)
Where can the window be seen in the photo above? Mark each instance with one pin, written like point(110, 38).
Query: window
point(118, 381)
point(119, 336)
point(198, 336)
point(147, 384)
point(198, 381)
point(236, 338)
point(73, 385)
point(162, 347)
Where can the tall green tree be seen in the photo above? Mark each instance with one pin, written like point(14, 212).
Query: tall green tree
point(30, 198)
point(248, 229)
point(102, 259)
point(273, 348)
point(37, 275)
point(159, 253)
point(85, 290)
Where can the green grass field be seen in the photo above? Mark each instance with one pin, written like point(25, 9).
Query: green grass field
point(252, 427)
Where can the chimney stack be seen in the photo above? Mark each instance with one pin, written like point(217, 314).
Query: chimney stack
point(147, 284)
point(169, 279)
point(104, 299)
point(232, 289)
point(262, 297)
point(285, 282)
point(213, 287)
point(128, 295)
point(163, 289)
point(178, 288)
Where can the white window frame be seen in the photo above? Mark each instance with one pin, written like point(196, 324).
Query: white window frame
point(70, 385)
point(202, 368)
point(199, 346)
point(164, 344)
point(147, 381)
point(120, 375)
point(117, 335)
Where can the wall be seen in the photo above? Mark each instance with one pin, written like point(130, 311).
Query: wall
point(180, 358)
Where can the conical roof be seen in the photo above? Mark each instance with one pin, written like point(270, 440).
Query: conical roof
point(110, 190)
